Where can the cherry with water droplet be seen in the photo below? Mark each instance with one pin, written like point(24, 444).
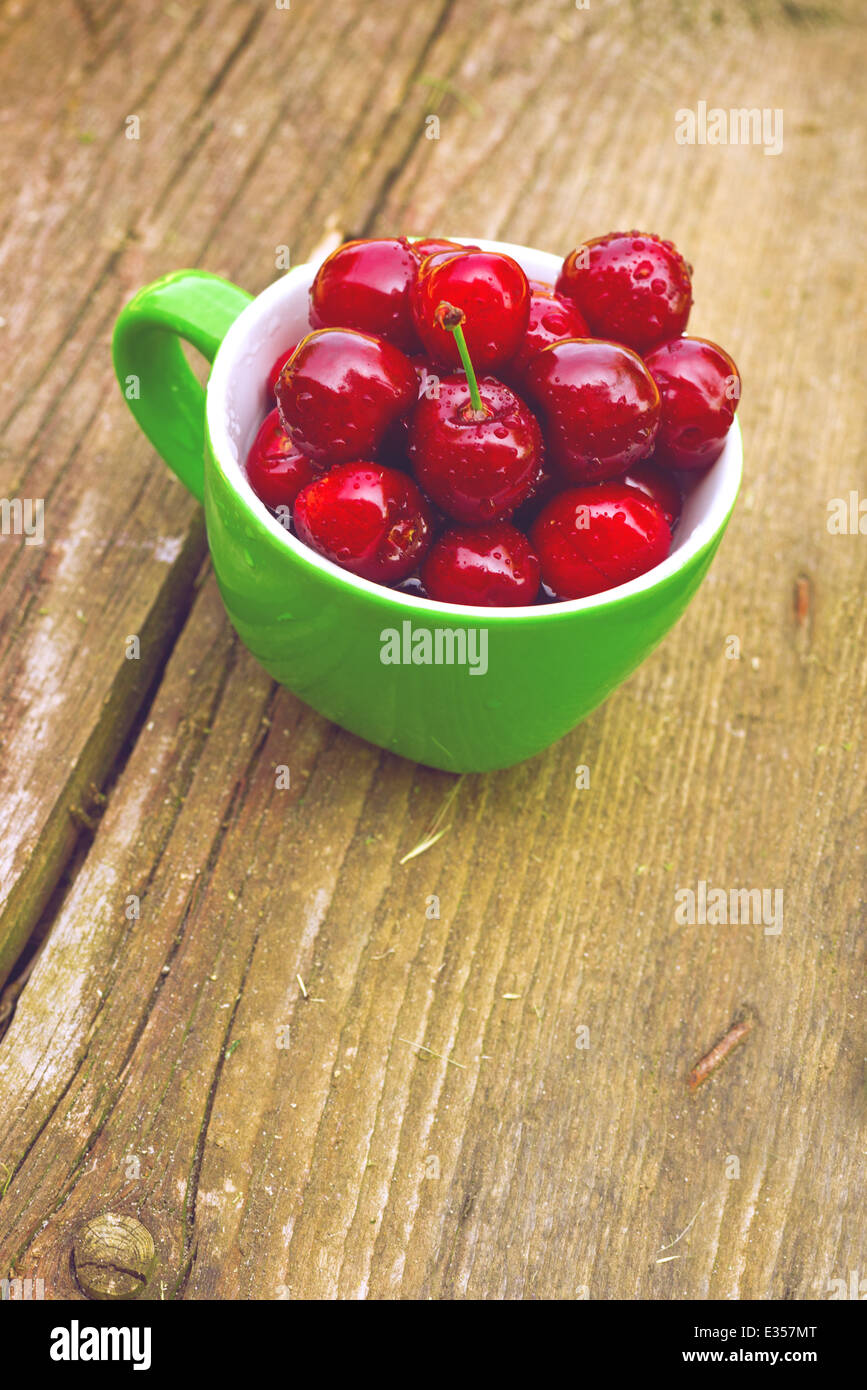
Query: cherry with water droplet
point(551, 319)
point(276, 469)
point(491, 566)
point(475, 447)
point(699, 387)
point(366, 285)
point(370, 520)
point(492, 291)
point(590, 539)
point(631, 287)
point(599, 407)
point(341, 390)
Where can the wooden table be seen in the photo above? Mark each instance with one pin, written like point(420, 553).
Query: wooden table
point(231, 1011)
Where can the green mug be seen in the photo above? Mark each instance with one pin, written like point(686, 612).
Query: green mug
point(463, 689)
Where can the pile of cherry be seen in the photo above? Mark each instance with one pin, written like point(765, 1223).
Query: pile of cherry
point(555, 473)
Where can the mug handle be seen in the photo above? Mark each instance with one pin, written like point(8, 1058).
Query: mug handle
point(158, 383)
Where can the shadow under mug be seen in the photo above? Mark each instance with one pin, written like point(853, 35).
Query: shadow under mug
point(462, 689)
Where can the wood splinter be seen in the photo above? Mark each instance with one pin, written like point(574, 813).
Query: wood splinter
point(718, 1053)
point(802, 599)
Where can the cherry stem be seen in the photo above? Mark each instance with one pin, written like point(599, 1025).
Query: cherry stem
point(452, 318)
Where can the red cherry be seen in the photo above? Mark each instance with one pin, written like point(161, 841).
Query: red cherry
point(651, 480)
point(492, 291)
point(600, 407)
point(277, 369)
point(699, 386)
point(369, 519)
point(631, 287)
point(551, 319)
point(541, 287)
point(341, 390)
point(489, 566)
point(366, 285)
point(590, 539)
point(476, 465)
point(432, 246)
point(276, 469)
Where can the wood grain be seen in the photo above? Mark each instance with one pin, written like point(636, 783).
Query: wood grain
point(170, 1066)
point(119, 530)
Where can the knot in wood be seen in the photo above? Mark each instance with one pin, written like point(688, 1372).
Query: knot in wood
point(114, 1256)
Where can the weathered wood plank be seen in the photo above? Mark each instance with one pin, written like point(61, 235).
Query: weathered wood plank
point(91, 221)
point(345, 1162)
